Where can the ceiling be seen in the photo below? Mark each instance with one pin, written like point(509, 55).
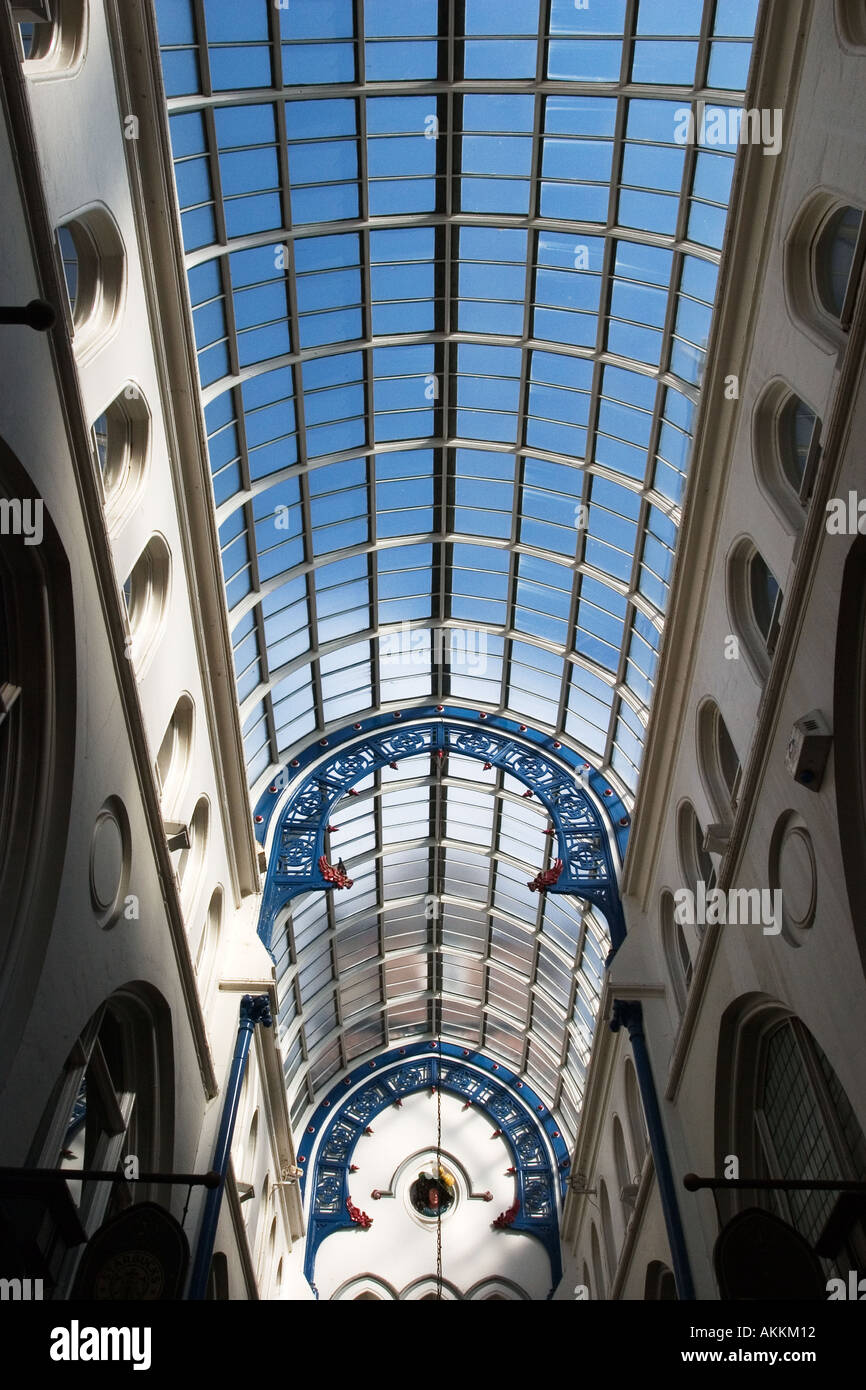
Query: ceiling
point(452, 268)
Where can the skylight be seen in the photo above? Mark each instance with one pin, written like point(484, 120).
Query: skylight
point(452, 269)
point(452, 290)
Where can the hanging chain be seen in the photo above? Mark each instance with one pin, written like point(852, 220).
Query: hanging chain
point(439, 1170)
point(437, 958)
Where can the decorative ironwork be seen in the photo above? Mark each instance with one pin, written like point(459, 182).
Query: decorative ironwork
point(583, 866)
point(536, 1197)
point(341, 1120)
point(329, 1187)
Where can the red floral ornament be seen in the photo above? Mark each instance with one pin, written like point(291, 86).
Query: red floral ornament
point(358, 1217)
point(546, 878)
point(507, 1218)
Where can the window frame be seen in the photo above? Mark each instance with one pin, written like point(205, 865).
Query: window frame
point(146, 596)
point(723, 798)
point(820, 266)
point(127, 448)
point(59, 43)
point(759, 647)
point(101, 282)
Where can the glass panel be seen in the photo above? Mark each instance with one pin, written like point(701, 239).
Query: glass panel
point(451, 344)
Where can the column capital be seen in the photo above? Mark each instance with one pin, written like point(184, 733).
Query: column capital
point(256, 1008)
point(627, 1013)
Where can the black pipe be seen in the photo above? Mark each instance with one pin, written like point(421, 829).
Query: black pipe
point(38, 315)
point(693, 1183)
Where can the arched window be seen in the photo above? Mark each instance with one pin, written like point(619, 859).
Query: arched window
point(247, 1167)
point(838, 260)
point(755, 605)
point(677, 956)
point(791, 1119)
point(823, 265)
point(252, 1145)
point(93, 263)
point(597, 1269)
point(422, 1290)
point(207, 946)
point(173, 758)
point(146, 594)
point(786, 448)
point(258, 1228)
point(69, 256)
point(851, 23)
point(765, 596)
point(718, 762)
point(586, 1280)
point(607, 1230)
point(696, 865)
point(268, 1250)
point(634, 1109)
point(366, 1288)
point(191, 862)
point(218, 1279)
point(798, 431)
point(660, 1284)
point(627, 1190)
point(53, 35)
point(114, 1098)
point(495, 1291)
point(120, 442)
point(795, 1080)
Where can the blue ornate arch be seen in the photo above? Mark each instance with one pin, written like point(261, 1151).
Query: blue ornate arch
point(527, 1126)
point(554, 774)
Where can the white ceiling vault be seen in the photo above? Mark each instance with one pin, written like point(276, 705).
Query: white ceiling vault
point(452, 267)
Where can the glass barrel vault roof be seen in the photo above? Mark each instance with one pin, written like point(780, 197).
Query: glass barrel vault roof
point(452, 267)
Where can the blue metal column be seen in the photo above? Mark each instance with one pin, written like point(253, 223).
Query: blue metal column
point(630, 1013)
point(255, 1008)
